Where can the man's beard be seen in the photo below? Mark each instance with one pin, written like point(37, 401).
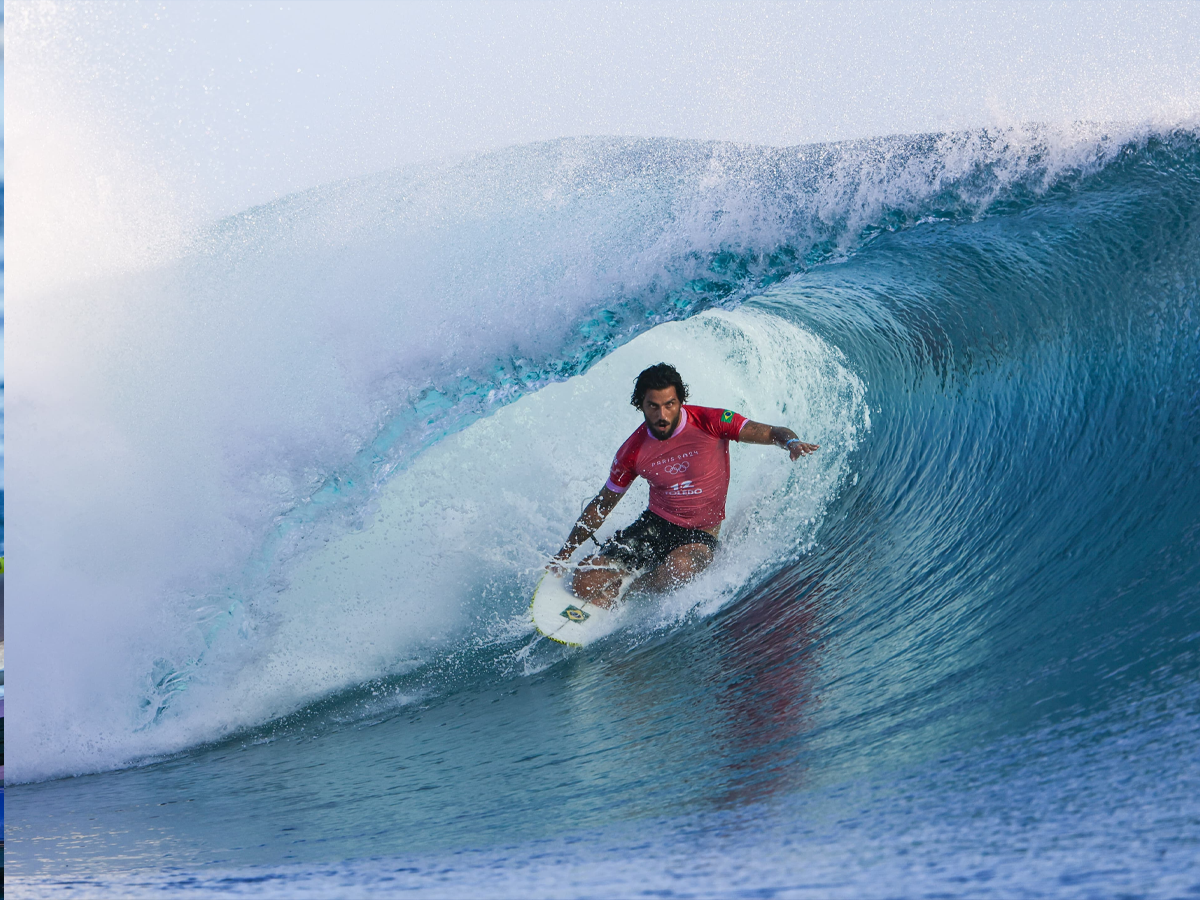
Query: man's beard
point(664, 427)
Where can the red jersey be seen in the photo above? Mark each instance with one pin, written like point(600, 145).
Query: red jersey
point(688, 472)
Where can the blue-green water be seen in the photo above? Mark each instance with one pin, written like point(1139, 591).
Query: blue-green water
point(957, 656)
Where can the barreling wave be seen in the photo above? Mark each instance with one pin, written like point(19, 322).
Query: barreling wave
point(379, 404)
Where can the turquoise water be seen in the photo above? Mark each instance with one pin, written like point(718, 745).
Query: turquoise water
point(955, 656)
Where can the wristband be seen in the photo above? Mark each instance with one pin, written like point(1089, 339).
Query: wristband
point(792, 441)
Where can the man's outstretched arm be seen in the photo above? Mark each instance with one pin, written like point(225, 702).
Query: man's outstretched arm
point(758, 433)
point(590, 520)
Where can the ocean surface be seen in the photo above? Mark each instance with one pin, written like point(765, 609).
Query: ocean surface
point(956, 653)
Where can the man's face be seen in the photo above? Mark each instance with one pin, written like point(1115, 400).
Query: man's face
point(661, 409)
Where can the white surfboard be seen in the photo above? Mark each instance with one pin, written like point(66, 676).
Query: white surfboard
point(563, 617)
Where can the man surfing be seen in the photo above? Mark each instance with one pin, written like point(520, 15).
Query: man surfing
point(683, 451)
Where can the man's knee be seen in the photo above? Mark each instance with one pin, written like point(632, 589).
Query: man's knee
point(688, 561)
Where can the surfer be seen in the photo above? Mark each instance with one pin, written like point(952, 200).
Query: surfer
point(683, 451)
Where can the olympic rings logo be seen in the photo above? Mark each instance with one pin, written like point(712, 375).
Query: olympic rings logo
point(677, 468)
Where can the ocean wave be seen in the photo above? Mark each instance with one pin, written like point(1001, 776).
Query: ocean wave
point(994, 333)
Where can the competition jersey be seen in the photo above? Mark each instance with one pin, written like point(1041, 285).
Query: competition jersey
point(688, 472)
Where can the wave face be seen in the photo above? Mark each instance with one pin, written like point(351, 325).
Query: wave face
point(356, 422)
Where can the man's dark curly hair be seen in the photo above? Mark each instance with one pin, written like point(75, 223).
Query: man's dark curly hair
point(657, 378)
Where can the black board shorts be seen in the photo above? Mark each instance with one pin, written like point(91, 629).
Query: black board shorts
point(650, 539)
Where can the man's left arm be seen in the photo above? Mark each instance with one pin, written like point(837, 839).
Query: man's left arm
point(758, 433)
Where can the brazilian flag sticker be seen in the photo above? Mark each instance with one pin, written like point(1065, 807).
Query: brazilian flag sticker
point(727, 416)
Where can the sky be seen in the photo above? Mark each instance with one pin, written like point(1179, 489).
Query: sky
point(224, 105)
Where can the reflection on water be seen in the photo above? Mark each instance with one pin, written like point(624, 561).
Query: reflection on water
point(771, 647)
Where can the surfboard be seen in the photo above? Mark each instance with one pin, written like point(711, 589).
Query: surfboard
point(561, 616)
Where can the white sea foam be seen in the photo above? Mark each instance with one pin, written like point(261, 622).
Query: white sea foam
point(452, 546)
point(459, 537)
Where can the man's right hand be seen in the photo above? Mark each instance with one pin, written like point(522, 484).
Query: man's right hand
point(559, 564)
